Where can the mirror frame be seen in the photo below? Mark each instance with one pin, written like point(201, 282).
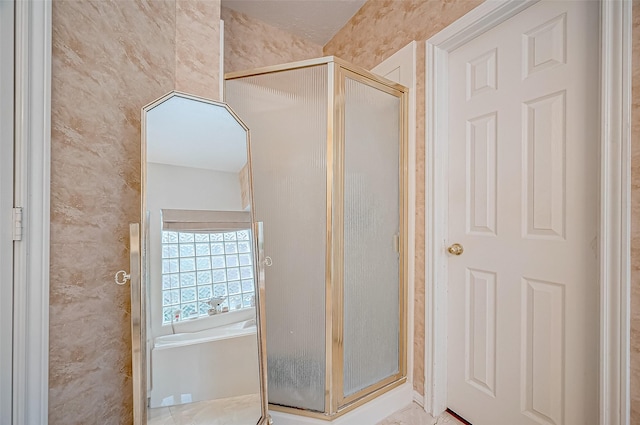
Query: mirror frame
point(138, 298)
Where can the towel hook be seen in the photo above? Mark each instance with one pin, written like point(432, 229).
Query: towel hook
point(122, 277)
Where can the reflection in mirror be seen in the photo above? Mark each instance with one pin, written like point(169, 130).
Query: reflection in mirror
point(202, 346)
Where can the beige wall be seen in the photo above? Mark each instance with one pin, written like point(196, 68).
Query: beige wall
point(250, 43)
point(378, 30)
point(110, 58)
point(197, 43)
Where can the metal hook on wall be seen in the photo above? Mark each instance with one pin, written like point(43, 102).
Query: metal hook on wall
point(122, 277)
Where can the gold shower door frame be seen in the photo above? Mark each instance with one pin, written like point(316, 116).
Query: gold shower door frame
point(336, 404)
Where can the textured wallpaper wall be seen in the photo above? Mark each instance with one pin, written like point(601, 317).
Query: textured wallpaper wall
point(250, 43)
point(110, 58)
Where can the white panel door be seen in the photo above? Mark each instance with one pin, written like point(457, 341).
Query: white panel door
point(523, 201)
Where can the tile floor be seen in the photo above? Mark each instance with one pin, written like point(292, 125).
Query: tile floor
point(414, 415)
point(246, 410)
point(234, 410)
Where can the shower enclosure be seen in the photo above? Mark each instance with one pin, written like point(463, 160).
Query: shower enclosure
point(329, 157)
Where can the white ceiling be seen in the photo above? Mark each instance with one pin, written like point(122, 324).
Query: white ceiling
point(190, 133)
point(315, 20)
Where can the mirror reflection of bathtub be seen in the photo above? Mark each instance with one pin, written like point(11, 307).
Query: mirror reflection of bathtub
point(224, 354)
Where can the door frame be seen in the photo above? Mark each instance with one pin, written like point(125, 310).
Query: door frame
point(6, 208)
point(32, 141)
point(615, 196)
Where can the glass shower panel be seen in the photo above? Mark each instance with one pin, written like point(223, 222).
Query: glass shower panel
point(371, 225)
point(287, 114)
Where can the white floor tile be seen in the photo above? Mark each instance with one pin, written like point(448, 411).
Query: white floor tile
point(415, 415)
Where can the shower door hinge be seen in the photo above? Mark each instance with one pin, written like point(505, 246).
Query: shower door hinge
point(17, 224)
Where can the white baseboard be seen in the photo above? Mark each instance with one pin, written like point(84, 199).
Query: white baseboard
point(368, 414)
point(418, 398)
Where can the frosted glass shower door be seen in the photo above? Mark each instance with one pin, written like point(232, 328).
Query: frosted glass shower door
point(286, 113)
point(328, 150)
point(372, 211)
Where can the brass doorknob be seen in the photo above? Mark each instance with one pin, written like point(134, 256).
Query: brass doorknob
point(455, 249)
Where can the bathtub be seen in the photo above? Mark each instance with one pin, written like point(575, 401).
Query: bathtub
point(214, 363)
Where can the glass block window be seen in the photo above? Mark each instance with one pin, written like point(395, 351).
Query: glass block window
point(199, 266)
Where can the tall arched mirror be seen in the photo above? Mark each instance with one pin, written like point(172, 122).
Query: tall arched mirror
point(201, 341)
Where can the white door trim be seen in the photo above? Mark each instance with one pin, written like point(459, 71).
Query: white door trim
point(32, 180)
point(6, 207)
point(615, 211)
point(615, 165)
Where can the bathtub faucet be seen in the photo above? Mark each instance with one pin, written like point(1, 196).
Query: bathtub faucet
point(215, 305)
